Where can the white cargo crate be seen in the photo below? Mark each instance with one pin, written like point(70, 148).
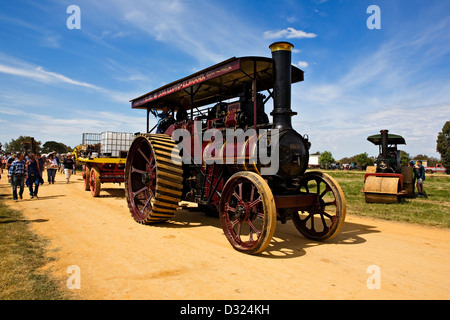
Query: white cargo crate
point(115, 144)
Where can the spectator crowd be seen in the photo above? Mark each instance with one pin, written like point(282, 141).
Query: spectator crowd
point(27, 170)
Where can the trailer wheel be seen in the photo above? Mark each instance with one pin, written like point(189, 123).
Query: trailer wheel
point(247, 212)
point(324, 219)
point(153, 180)
point(86, 176)
point(95, 184)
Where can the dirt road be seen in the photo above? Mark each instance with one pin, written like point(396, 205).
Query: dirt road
point(190, 258)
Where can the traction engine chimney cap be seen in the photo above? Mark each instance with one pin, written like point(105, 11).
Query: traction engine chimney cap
point(281, 45)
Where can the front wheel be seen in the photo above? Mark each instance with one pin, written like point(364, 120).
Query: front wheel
point(324, 218)
point(94, 182)
point(87, 177)
point(247, 212)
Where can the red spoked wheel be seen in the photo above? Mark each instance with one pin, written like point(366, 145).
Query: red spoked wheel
point(142, 170)
point(153, 180)
point(324, 218)
point(86, 177)
point(247, 212)
point(94, 182)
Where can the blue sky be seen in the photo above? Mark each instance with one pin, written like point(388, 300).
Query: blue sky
point(57, 83)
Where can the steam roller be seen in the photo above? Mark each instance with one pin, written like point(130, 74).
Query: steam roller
point(381, 189)
point(154, 178)
point(388, 181)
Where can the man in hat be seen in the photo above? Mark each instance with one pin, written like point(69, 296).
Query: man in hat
point(420, 178)
point(16, 176)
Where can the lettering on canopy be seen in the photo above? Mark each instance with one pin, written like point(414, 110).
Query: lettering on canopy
point(208, 75)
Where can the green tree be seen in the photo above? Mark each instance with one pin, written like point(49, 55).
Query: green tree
point(326, 158)
point(404, 158)
point(431, 161)
point(421, 157)
point(443, 145)
point(23, 144)
point(58, 147)
point(347, 160)
point(363, 159)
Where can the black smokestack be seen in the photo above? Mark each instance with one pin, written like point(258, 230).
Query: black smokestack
point(282, 113)
point(384, 144)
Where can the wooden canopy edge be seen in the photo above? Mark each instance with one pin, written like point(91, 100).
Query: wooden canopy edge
point(208, 85)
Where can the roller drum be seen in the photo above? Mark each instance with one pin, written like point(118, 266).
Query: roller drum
point(381, 189)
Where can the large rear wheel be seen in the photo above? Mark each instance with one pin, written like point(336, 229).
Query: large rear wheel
point(153, 178)
point(247, 212)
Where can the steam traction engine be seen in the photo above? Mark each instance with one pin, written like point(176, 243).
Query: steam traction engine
point(190, 160)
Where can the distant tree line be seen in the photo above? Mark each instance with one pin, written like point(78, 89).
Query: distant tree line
point(326, 159)
point(30, 145)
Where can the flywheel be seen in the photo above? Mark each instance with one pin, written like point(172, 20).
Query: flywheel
point(153, 178)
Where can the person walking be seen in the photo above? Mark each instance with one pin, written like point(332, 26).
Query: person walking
point(41, 163)
point(420, 176)
point(52, 166)
point(16, 176)
point(56, 158)
point(10, 161)
point(69, 166)
point(34, 176)
point(412, 164)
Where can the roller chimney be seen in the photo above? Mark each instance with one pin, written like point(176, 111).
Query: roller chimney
point(384, 144)
point(282, 113)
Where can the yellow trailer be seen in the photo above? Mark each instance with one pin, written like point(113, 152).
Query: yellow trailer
point(103, 156)
point(97, 171)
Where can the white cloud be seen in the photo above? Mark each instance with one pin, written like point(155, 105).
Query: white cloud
point(289, 33)
point(52, 76)
point(200, 29)
point(38, 73)
point(51, 41)
point(15, 67)
point(66, 129)
point(302, 64)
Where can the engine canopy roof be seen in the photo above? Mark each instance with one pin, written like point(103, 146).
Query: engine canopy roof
point(222, 81)
point(392, 139)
